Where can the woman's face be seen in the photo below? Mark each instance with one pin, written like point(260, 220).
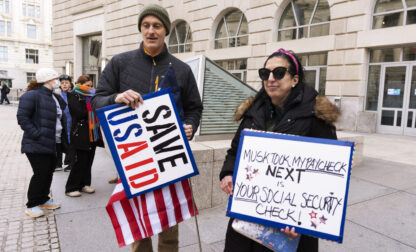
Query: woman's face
point(88, 83)
point(65, 85)
point(279, 90)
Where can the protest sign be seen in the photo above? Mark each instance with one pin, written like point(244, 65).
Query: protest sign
point(283, 180)
point(148, 144)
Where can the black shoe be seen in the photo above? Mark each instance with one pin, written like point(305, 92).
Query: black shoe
point(68, 168)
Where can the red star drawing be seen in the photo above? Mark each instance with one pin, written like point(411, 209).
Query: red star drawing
point(313, 214)
point(256, 171)
point(248, 168)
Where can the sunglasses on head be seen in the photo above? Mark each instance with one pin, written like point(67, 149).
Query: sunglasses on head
point(278, 73)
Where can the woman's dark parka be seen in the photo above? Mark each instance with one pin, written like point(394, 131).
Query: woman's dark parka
point(79, 129)
point(303, 114)
point(36, 116)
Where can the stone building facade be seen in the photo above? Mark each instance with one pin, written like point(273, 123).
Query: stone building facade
point(359, 53)
point(25, 39)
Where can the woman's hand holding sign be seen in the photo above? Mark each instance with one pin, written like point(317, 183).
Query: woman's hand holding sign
point(227, 185)
point(289, 232)
point(130, 98)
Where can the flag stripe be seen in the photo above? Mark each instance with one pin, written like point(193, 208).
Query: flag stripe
point(176, 204)
point(124, 225)
point(146, 215)
point(161, 208)
point(131, 219)
point(170, 212)
point(139, 216)
point(188, 195)
point(183, 201)
point(153, 213)
point(116, 225)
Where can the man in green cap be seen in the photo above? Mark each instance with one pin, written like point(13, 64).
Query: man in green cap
point(131, 74)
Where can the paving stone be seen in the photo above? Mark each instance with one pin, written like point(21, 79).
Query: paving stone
point(43, 248)
point(42, 237)
point(28, 244)
point(42, 241)
point(10, 248)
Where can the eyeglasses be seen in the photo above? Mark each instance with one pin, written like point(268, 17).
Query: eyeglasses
point(278, 73)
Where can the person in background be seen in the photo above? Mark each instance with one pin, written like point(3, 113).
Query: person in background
point(40, 116)
point(284, 104)
point(85, 137)
point(4, 91)
point(66, 87)
point(131, 74)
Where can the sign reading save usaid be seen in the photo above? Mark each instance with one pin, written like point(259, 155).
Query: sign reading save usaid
point(148, 144)
point(301, 182)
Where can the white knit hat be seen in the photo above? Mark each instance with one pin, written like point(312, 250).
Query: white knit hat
point(46, 74)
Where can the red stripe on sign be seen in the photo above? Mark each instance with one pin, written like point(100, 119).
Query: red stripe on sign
point(188, 195)
point(128, 211)
point(161, 208)
point(149, 229)
point(116, 225)
point(136, 203)
point(176, 204)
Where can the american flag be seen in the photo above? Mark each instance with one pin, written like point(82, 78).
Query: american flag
point(149, 214)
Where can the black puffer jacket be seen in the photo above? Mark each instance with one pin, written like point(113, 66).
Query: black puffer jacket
point(36, 116)
point(138, 71)
point(305, 115)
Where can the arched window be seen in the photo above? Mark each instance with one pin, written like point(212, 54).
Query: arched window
point(388, 13)
point(232, 31)
point(304, 19)
point(180, 39)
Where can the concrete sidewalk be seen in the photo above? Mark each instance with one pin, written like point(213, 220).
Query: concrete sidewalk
point(381, 214)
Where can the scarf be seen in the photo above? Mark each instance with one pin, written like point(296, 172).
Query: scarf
point(93, 123)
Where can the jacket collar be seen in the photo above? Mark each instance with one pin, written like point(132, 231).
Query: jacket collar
point(46, 90)
point(164, 53)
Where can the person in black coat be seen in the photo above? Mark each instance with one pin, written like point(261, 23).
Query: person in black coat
point(85, 137)
point(4, 91)
point(40, 117)
point(284, 104)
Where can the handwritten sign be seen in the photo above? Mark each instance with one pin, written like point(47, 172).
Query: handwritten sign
point(301, 182)
point(148, 145)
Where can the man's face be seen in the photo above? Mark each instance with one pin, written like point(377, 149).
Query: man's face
point(154, 33)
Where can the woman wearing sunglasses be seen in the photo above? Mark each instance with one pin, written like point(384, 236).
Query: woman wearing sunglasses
point(284, 104)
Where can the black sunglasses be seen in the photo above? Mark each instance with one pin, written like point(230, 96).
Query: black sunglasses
point(278, 73)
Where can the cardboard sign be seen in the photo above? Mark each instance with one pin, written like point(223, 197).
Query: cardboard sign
point(148, 144)
point(301, 182)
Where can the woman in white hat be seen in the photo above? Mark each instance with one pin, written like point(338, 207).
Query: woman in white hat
point(40, 117)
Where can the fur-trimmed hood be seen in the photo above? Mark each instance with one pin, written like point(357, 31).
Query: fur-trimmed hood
point(323, 109)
